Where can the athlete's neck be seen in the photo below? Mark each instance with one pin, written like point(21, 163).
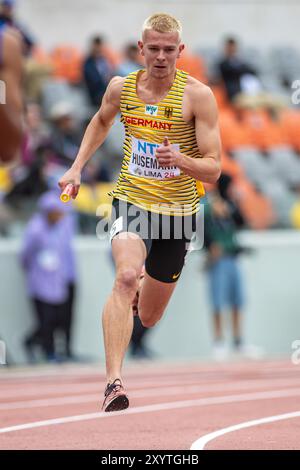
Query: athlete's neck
point(159, 86)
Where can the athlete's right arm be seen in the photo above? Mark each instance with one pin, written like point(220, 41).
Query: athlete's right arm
point(95, 133)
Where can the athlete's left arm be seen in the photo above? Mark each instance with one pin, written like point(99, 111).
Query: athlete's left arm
point(204, 110)
point(204, 107)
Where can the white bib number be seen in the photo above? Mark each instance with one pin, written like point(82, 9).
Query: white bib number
point(144, 164)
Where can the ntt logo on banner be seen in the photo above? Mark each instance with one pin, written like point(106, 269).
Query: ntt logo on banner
point(2, 353)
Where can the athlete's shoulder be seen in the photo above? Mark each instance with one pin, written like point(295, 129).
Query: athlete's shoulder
point(115, 86)
point(116, 83)
point(198, 90)
point(114, 91)
point(200, 98)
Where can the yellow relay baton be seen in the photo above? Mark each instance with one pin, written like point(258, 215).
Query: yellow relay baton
point(67, 193)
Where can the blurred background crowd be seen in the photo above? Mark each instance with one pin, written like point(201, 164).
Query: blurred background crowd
point(64, 87)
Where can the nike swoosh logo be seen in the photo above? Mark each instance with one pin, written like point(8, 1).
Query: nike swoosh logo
point(130, 108)
point(175, 276)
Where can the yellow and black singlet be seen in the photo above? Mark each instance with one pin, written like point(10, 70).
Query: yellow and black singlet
point(142, 181)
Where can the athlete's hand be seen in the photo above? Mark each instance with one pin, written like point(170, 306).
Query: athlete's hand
point(166, 154)
point(72, 176)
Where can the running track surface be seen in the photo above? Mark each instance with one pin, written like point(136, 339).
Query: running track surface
point(241, 405)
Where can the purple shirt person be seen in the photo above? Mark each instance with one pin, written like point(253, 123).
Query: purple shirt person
point(47, 255)
point(48, 259)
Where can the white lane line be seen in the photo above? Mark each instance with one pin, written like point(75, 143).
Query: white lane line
point(50, 390)
point(158, 368)
point(201, 443)
point(86, 387)
point(153, 392)
point(157, 407)
point(90, 387)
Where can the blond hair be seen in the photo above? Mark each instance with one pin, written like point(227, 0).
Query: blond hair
point(162, 23)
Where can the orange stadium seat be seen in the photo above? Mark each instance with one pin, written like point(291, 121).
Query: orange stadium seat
point(268, 136)
point(265, 133)
point(41, 57)
point(256, 208)
point(193, 65)
point(231, 166)
point(67, 62)
point(112, 56)
point(290, 124)
point(234, 134)
point(221, 98)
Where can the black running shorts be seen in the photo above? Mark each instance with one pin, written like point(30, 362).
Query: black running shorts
point(166, 238)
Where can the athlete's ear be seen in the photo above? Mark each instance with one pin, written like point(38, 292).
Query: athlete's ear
point(141, 47)
point(181, 47)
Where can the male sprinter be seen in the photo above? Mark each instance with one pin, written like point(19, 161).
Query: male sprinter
point(172, 140)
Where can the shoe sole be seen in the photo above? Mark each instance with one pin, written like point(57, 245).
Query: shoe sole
point(119, 403)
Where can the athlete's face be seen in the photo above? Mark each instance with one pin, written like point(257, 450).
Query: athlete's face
point(160, 50)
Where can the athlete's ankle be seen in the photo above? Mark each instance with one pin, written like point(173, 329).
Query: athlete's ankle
point(113, 377)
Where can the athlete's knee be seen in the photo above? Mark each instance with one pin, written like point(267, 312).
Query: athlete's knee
point(150, 320)
point(127, 280)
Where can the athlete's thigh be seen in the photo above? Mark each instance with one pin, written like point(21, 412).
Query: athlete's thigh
point(128, 246)
point(163, 268)
point(166, 259)
point(128, 250)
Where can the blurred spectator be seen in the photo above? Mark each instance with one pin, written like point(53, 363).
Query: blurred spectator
point(66, 134)
point(37, 132)
point(224, 276)
point(227, 192)
point(6, 218)
point(28, 178)
point(7, 17)
point(48, 260)
point(132, 61)
point(91, 195)
point(65, 322)
point(138, 347)
point(63, 143)
point(38, 69)
point(233, 70)
point(243, 86)
point(97, 71)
